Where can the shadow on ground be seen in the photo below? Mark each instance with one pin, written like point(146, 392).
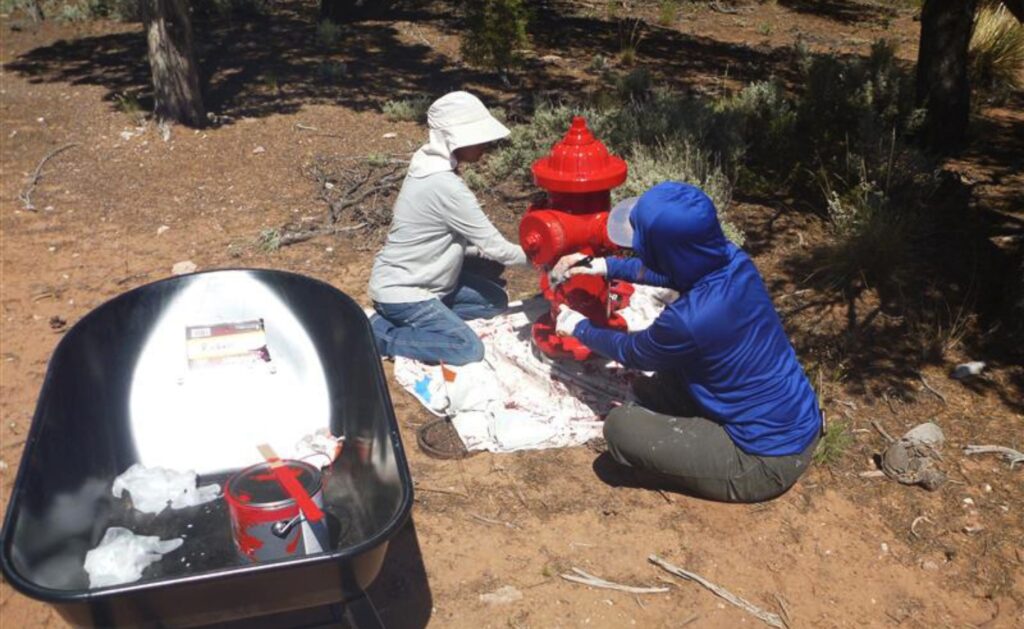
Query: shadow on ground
point(263, 65)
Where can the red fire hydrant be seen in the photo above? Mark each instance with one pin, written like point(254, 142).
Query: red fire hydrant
point(578, 175)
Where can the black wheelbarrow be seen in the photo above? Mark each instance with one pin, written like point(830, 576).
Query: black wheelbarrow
point(123, 387)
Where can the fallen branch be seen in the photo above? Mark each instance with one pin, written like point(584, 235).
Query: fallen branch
point(292, 237)
point(449, 492)
point(717, 7)
point(26, 195)
point(770, 619)
point(1012, 456)
point(881, 430)
point(929, 387)
point(477, 516)
point(597, 582)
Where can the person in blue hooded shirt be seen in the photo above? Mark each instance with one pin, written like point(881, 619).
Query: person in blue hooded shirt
point(734, 418)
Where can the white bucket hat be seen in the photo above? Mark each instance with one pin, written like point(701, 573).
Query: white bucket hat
point(455, 120)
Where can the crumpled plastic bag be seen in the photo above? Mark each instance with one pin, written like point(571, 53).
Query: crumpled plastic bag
point(154, 488)
point(911, 458)
point(122, 556)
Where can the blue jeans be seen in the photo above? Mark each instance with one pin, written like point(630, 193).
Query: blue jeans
point(434, 330)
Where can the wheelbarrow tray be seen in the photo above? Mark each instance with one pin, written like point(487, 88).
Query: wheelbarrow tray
point(109, 400)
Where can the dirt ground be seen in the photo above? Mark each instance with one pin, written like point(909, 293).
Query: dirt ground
point(122, 206)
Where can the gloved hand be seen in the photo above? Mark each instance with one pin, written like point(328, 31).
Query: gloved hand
point(577, 264)
point(567, 320)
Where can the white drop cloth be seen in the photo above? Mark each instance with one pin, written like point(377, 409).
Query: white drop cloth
point(517, 400)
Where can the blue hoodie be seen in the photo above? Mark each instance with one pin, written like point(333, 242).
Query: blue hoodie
point(722, 336)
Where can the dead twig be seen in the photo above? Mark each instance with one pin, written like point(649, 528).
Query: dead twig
point(881, 430)
point(718, 8)
point(433, 490)
point(131, 278)
point(918, 520)
point(929, 387)
point(597, 582)
point(26, 195)
point(477, 516)
point(289, 237)
point(1012, 456)
point(785, 609)
point(770, 619)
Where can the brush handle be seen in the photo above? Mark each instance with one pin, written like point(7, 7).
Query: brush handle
point(309, 509)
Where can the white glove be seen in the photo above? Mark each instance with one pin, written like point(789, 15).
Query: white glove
point(567, 320)
point(577, 264)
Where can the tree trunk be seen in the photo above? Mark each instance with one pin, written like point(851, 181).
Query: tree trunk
point(942, 86)
point(175, 75)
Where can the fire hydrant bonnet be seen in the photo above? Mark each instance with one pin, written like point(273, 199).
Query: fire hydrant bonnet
point(456, 120)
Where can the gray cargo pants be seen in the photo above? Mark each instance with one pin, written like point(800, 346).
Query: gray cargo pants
point(677, 450)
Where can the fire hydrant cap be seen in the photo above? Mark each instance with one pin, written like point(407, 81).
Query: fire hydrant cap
point(579, 163)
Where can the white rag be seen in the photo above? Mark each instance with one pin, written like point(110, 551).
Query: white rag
point(516, 399)
point(153, 489)
point(122, 556)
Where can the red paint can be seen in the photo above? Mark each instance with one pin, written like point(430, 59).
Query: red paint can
point(266, 522)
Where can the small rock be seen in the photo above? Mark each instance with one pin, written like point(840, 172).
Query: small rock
point(966, 371)
point(184, 267)
point(968, 501)
point(160, 230)
point(40, 119)
point(258, 150)
point(885, 548)
point(987, 488)
point(502, 596)
point(127, 135)
point(48, 208)
point(389, 136)
point(329, 249)
point(3, 466)
point(971, 529)
point(57, 323)
point(929, 565)
point(551, 59)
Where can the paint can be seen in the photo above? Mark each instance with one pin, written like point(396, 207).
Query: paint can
point(266, 523)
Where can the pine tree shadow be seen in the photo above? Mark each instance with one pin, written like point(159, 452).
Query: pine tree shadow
point(255, 66)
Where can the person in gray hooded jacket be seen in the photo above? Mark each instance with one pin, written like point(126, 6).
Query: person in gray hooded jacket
point(420, 293)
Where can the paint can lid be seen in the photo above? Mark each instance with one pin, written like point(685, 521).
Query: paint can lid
point(258, 486)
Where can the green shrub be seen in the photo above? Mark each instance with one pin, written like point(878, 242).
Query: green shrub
point(668, 12)
point(634, 85)
point(833, 445)
point(680, 161)
point(631, 34)
point(407, 109)
point(332, 72)
point(328, 34)
point(532, 140)
point(495, 30)
point(997, 52)
point(758, 124)
point(858, 107)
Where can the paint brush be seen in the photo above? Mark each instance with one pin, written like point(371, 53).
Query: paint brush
point(291, 484)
